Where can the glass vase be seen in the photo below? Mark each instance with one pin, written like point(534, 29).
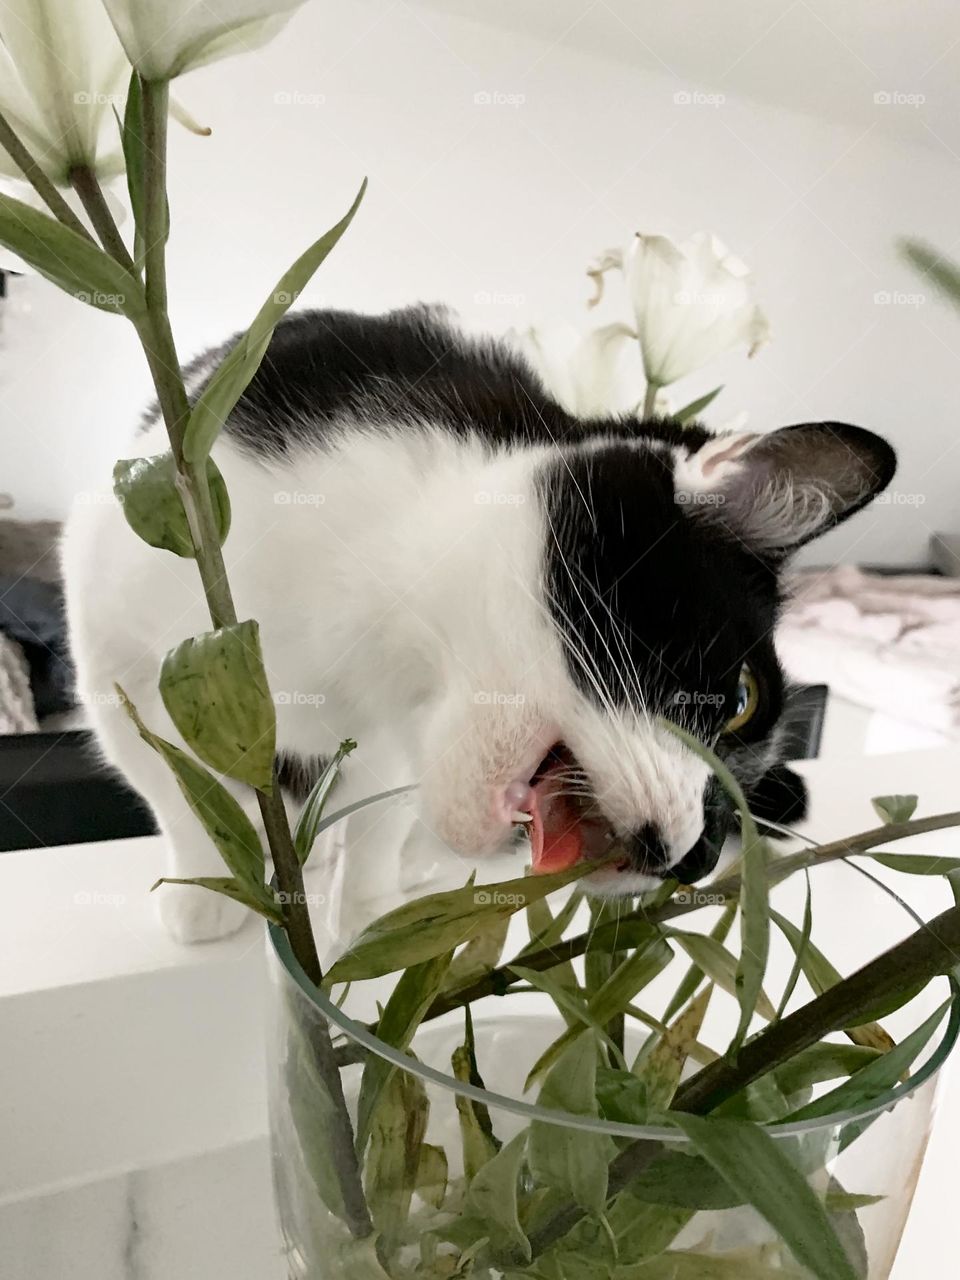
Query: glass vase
point(665, 1214)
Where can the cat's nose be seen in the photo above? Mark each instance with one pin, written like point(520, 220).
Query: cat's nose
point(647, 850)
point(696, 862)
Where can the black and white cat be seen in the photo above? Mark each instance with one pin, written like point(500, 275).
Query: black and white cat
point(495, 598)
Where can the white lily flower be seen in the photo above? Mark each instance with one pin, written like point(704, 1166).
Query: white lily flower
point(62, 72)
point(584, 372)
point(165, 38)
point(691, 302)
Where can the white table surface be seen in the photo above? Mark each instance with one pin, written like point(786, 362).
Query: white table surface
point(132, 1112)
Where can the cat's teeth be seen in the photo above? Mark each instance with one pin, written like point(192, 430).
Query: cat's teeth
point(517, 816)
point(517, 793)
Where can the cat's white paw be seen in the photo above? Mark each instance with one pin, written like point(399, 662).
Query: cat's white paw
point(191, 914)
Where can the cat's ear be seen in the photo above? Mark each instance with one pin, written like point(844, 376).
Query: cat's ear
point(777, 490)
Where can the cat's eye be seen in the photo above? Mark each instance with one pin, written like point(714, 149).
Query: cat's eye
point(748, 699)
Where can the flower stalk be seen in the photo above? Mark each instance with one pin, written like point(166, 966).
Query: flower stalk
point(650, 400)
point(84, 182)
point(193, 487)
point(930, 951)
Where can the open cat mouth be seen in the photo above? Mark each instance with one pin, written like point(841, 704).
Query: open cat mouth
point(566, 824)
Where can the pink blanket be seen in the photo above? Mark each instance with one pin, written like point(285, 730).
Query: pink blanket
point(890, 643)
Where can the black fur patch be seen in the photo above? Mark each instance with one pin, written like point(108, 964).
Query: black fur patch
point(660, 611)
point(657, 607)
point(780, 796)
point(406, 367)
point(298, 774)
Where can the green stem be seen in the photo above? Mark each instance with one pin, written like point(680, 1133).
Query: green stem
point(156, 337)
point(43, 186)
point(932, 950)
point(84, 182)
point(650, 400)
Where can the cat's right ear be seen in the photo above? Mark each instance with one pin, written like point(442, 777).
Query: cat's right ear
point(778, 490)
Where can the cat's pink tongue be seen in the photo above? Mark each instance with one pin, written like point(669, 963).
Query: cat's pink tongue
point(556, 840)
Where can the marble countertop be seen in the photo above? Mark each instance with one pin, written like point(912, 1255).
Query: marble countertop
point(132, 1087)
point(202, 1217)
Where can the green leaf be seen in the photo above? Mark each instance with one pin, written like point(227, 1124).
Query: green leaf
point(440, 922)
point(237, 369)
point(754, 1166)
point(699, 1052)
point(871, 1033)
point(849, 1202)
point(682, 1265)
point(545, 932)
point(572, 1005)
point(473, 1076)
point(694, 974)
point(754, 929)
point(358, 1260)
point(432, 1174)
point(312, 1111)
point(917, 864)
point(491, 1200)
point(222, 817)
point(393, 1162)
point(754, 890)
point(131, 134)
point(644, 1230)
point(599, 962)
point(718, 965)
point(842, 1209)
point(821, 975)
point(621, 1096)
point(696, 407)
point(481, 954)
point(943, 273)
point(638, 1230)
point(333, 818)
point(630, 976)
point(409, 1001)
point(684, 1181)
point(146, 489)
point(565, 1262)
point(821, 1062)
point(311, 815)
point(895, 808)
point(215, 690)
point(877, 1077)
point(480, 1143)
point(799, 949)
point(259, 900)
point(569, 1159)
point(69, 260)
point(661, 1068)
point(476, 1136)
point(761, 1100)
point(598, 966)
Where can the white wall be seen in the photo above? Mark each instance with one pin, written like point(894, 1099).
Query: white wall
point(468, 200)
